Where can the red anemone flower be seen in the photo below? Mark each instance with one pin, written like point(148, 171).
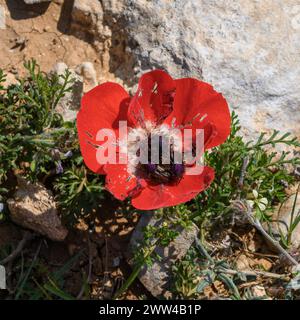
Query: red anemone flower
point(160, 102)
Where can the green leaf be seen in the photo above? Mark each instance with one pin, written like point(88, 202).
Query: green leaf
point(33, 166)
point(52, 288)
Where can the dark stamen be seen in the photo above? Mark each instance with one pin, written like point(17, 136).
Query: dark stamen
point(178, 169)
point(151, 167)
point(161, 173)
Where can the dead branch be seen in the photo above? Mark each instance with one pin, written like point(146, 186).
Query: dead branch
point(26, 237)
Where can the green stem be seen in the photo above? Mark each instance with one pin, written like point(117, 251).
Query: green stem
point(290, 231)
point(135, 272)
point(129, 281)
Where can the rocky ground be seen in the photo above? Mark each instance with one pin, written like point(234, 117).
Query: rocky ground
point(249, 50)
point(52, 32)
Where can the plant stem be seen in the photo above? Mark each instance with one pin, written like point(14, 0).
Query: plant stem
point(135, 272)
point(129, 281)
point(290, 231)
point(255, 273)
point(242, 175)
point(26, 237)
point(256, 223)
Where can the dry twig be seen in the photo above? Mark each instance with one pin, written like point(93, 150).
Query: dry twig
point(26, 237)
point(244, 208)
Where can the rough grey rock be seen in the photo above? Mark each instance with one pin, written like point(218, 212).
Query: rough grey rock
point(87, 15)
point(2, 18)
point(70, 103)
point(248, 49)
point(33, 207)
point(157, 278)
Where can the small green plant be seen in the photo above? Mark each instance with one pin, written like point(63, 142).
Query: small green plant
point(36, 143)
point(243, 170)
point(266, 173)
point(30, 127)
point(79, 192)
point(35, 281)
point(286, 237)
point(199, 270)
point(172, 220)
point(187, 276)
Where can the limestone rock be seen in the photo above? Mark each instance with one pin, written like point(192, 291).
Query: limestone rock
point(87, 15)
point(113, 7)
point(33, 207)
point(60, 68)
point(70, 103)
point(89, 75)
point(157, 278)
point(249, 50)
point(2, 18)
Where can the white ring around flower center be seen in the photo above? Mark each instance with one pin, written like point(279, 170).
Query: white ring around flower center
point(139, 136)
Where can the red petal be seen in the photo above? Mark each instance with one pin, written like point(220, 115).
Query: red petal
point(153, 100)
point(102, 107)
point(119, 182)
point(199, 106)
point(154, 197)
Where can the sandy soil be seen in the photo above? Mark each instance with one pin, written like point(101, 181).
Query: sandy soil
point(43, 31)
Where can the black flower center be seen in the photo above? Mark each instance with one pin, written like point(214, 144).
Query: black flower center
point(161, 172)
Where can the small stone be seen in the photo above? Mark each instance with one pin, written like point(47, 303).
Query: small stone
point(33, 207)
point(21, 41)
point(113, 228)
point(2, 18)
point(258, 291)
point(88, 72)
point(158, 277)
point(70, 103)
point(46, 29)
point(60, 68)
point(87, 16)
point(122, 220)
